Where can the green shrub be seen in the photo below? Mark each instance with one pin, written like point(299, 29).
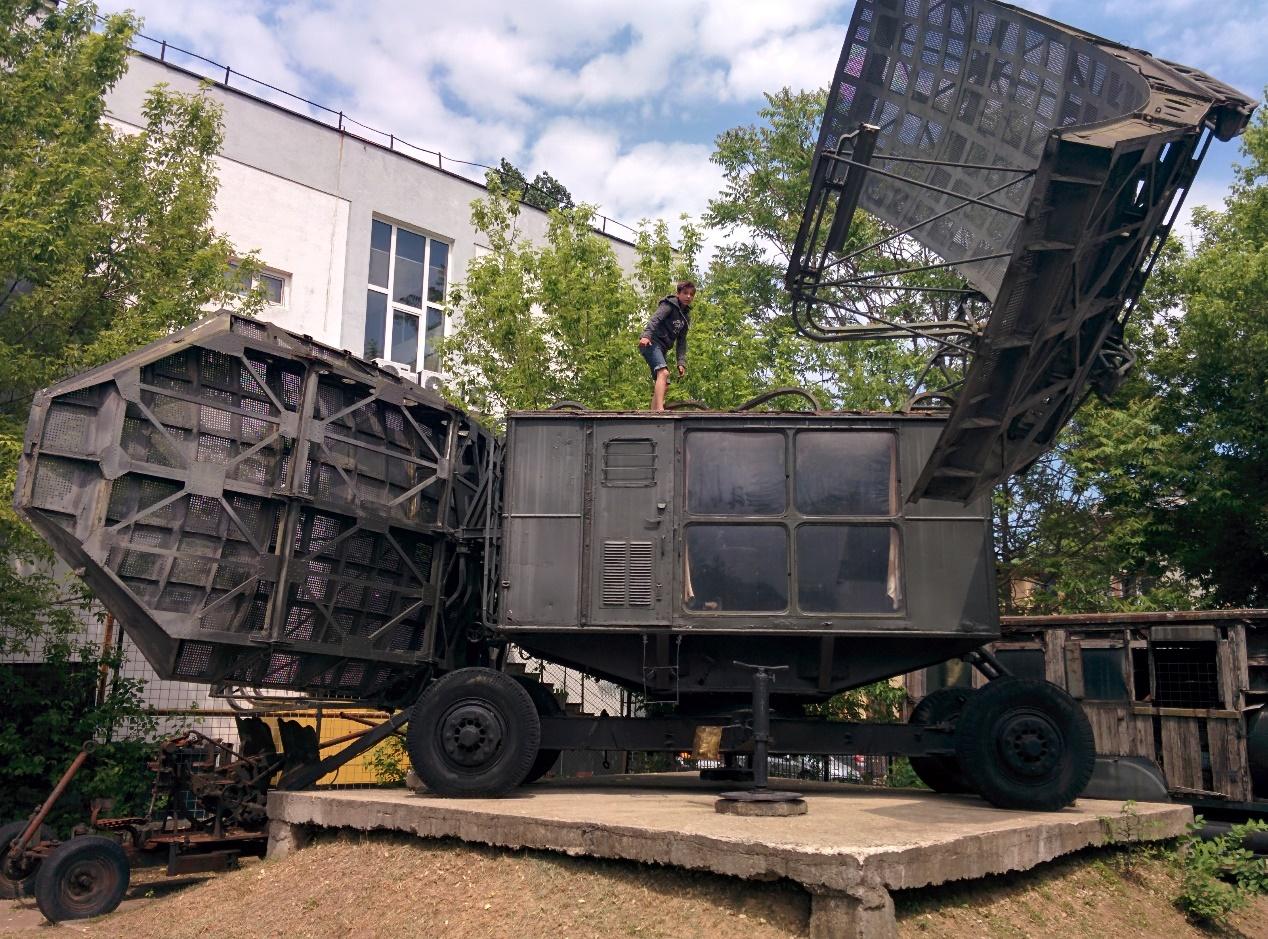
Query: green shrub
point(1219, 876)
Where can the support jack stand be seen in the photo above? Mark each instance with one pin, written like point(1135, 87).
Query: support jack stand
point(760, 799)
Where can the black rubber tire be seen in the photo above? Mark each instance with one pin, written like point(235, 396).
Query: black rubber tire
point(941, 773)
point(547, 706)
point(1023, 743)
point(81, 878)
point(15, 884)
point(473, 733)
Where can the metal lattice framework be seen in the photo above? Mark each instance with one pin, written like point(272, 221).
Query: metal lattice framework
point(262, 511)
point(1042, 166)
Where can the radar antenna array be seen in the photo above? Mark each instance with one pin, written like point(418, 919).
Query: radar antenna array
point(1021, 177)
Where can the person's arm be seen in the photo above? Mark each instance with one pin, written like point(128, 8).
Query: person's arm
point(681, 346)
point(661, 310)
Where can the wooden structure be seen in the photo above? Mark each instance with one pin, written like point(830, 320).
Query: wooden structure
point(1180, 688)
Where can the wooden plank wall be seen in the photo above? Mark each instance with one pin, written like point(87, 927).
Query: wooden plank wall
point(1230, 767)
point(1119, 731)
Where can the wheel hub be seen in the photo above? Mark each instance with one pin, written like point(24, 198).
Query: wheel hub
point(1030, 744)
point(86, 881)
point(471, 733)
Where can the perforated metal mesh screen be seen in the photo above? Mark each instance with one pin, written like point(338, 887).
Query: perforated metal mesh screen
point(259, 510)
point(967, 82)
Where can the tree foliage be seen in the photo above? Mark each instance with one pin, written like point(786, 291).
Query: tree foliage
point(560, 320)
point(1209, 489)
point(544, 192)
point(105, 245)
point(766, 172)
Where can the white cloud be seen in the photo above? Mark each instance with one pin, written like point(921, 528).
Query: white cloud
point(620, 100)
point(546, 85)
point(801, 61)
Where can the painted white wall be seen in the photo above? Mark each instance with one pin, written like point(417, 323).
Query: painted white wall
point(297, 231)
point(304, 194)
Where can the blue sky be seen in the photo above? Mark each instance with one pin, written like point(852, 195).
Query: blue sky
point(620, 100)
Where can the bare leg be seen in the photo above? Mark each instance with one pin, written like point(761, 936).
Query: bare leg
point(658, 389)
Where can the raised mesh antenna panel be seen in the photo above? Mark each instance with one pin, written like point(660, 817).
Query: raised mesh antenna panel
point(258, 510)
point(974, 84)
point(1043, 164)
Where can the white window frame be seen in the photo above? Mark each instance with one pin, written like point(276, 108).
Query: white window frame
point(420, 313)
point(282, 277)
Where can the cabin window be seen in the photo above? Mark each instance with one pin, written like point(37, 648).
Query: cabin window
point(735, 568)
point(1023, 663)
point(1103, 675)
point(845, 473)
point(1185, 675)
point(848, 569)
point(736, 473)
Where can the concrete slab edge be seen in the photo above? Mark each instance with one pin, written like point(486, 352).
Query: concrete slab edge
point(968, 857)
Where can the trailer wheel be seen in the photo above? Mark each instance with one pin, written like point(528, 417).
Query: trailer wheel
point(1024, 743)
point(16, 880)
point(83, 877)
point(547, 706)
point(940, 773)
point(475, 732)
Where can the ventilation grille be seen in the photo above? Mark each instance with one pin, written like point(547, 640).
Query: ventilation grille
point(627, 573)
point(629, 463)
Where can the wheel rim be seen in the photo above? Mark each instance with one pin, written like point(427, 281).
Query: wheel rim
point(471, 734)
point(1030, 744)
point(87, 884)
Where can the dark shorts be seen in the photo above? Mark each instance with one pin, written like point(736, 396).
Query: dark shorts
point(655, 357)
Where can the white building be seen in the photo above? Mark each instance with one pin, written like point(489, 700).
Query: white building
point(361, 237)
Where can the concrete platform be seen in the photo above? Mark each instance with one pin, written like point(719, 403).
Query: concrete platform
point(854, 846)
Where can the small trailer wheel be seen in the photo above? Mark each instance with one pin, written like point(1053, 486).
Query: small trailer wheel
point(1023, 743)
point(547, 706)
point(83, 877)
point(473, 733)
point(16, 880)
point(940, 773)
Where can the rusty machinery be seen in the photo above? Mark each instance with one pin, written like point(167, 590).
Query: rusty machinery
point(208, 807)
point(262, 512)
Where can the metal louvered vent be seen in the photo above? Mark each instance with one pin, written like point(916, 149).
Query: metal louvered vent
point(627, 573)
point(629, 463)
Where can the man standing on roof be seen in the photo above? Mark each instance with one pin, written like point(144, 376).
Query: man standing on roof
point(667, 328)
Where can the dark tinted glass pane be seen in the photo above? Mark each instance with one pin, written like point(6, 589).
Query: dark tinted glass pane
point(951, 674)
point(238, 282)
point(407, 279)
point(1024, 663)
point(435, 331)
point(405, 339)
point(1103, 675)
point(842, 473)
point(375, 324)
point(735, 473)
point(848, 569)
point(437, 265)
point(380, 247)
point(272, 287)
point(731, 568)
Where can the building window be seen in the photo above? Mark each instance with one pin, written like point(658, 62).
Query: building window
point(404, 321)
point(273, 283)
